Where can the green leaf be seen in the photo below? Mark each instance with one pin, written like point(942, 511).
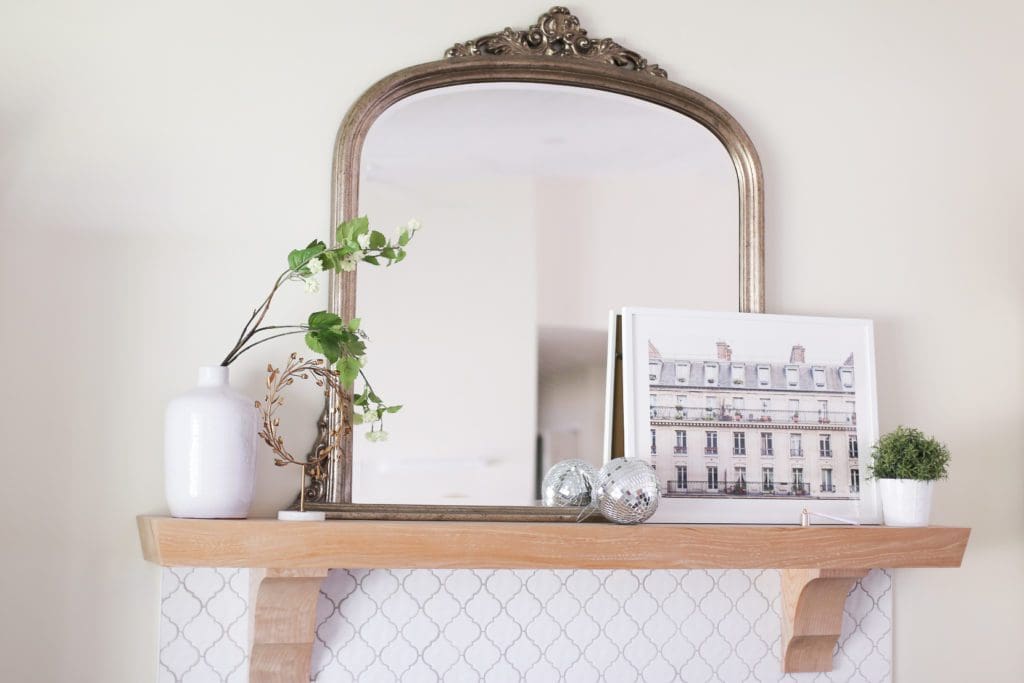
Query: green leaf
point(400, 256)
point(357, 418)
point(393, 409)
point(297, 258)
point(329, 259)
point(322, 320)
point(348, 369)
point(388, 253)
point(372, 260)
point(349, 230)
point(377, 240)
point(404, 238)
point(355, 347)
point(313, 342)
point(353, 324)
point(330, 344)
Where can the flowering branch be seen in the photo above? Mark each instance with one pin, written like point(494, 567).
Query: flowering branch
point(342, 343)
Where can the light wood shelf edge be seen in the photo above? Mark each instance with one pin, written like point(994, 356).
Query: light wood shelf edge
point(523, 545)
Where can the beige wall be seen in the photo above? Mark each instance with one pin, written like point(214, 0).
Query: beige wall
point(156, 161)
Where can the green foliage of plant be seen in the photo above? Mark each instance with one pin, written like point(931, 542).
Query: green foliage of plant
point(342, 343)
point(907, 453)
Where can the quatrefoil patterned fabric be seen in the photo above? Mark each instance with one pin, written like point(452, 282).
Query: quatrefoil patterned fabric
point(504, 625)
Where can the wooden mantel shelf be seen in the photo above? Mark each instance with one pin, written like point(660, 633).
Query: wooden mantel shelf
point(332, 544)
point(819, 564)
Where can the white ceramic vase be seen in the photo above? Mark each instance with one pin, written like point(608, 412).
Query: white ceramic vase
point(905, 502)
point(210, 449)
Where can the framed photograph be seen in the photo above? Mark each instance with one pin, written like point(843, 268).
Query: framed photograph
point(751, 418)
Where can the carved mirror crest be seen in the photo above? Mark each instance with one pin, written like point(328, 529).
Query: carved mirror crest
point(546, 134)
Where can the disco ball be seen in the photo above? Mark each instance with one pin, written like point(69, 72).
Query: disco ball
point(627, 491)
point(569, 483)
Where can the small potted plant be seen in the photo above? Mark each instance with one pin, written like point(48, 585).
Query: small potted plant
point(906, 465)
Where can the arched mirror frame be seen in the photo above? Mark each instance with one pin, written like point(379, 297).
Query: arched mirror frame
point(553, 51)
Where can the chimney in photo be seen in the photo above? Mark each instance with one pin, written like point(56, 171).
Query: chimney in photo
point(797, 354)
point(724, 351)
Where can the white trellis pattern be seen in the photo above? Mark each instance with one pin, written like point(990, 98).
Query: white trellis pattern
point(505, 625)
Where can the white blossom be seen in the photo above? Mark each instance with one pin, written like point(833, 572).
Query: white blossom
point(349, 263)
point(311, 285)
point(315, 266)
point(363, 241)
point(413, 225)
point(379, 435)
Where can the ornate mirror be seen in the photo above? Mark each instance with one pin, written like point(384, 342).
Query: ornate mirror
point(557, 177)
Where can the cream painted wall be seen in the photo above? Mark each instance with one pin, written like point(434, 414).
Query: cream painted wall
point(156, 160)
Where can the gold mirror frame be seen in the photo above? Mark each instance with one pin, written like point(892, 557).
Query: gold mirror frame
point(555, 50)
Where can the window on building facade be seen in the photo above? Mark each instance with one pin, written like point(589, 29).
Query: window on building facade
point(798, 477)
point(767, 444)
point(653, 369)
point(854, 448)
point(711, 443)
point(681, 411)
point(825, 445)
point(739, 443)
point(851, 412)
point(681, 477)
point(712, 478)
point(737, 404)
point(823, 410)
point(710, 406)
point(741, 475)
point(683, 373)
point(654, 442)
point(680, 441)
point(768, 478)
point(711, 374)
point(653, 404)
point(764, 376)
point(826, 480)
point(819, 377)
point(846, 377)
point(738, 374)
point(794, 408)
point(796, 448)
point(854, 480)
point(766, 405)
point(792, 376)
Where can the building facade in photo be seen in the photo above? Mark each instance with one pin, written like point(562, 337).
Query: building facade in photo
point(725, 427)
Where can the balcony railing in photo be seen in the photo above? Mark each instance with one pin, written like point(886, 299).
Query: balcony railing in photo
point(762, 417)
point(743, 488)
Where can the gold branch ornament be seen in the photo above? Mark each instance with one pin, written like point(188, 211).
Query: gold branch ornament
point(279, 380)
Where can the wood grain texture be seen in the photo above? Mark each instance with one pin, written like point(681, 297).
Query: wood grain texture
point(283, 623)
point(510, 545)
point(812, 615)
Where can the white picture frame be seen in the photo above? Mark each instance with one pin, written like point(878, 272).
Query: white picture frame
point(769, 463)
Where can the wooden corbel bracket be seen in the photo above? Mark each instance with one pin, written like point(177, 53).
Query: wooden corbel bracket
point(283, 623)
point(812, 615)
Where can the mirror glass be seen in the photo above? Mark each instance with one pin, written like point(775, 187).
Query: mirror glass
point(543, 207)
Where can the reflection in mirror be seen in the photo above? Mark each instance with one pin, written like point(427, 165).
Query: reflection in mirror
point(543, 207)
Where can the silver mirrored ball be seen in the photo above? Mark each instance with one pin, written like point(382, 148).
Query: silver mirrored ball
point(569, 483)
point(627, 491)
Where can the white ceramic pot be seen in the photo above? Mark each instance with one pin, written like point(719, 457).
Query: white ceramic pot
point(210, 449)
point(905, 502)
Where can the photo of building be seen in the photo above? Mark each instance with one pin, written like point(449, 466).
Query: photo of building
point(723, 426)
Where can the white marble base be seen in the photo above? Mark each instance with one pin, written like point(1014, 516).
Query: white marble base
point(296, 516)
